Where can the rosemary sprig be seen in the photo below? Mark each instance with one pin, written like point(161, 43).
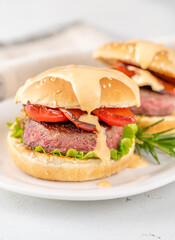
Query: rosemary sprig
point(150, 141)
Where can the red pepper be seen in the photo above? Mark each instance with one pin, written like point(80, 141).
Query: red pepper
point(45, 114)
point(123, 68)
point(80, 124)
point(115, 116)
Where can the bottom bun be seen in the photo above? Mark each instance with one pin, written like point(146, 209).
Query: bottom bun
point(169, 122)
point(51, 167)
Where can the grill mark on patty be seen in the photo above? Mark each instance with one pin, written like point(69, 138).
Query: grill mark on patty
point(68, 127)
point(66, 135)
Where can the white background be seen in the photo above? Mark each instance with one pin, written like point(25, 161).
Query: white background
point(147, 216)
point(123, 18)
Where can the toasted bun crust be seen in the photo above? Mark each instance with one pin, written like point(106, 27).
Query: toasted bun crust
point(147, 55)
point(51, 167)
point(55, 88)
point(169, 122)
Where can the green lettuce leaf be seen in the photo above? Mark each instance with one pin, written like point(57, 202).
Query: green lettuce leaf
point(16, 130)
point(39, 149)
point(9, 124)
point(124, 146)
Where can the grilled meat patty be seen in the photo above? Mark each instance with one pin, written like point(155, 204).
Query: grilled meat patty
point(66, 135)
point(154, 103)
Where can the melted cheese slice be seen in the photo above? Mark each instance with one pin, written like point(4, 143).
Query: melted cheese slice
point(145, 78)
point(101, 149)
point(86, 83)
point(145, 52)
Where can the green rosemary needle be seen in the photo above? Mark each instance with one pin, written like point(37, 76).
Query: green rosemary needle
point(149, 142)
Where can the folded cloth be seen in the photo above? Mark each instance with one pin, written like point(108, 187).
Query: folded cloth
point(23, 60)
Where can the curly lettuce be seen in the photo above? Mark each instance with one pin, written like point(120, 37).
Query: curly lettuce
point(16, 130)
point(125, 144)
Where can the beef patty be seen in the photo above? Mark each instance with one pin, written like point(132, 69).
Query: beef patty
point(66, 135)
point(154, 103)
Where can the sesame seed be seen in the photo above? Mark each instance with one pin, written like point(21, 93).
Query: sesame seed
point(104, 86)
point(131, 49)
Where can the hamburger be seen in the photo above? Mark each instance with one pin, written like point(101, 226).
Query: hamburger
point(152, 67)
point(75, 124)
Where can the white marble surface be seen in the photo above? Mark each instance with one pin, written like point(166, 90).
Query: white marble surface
point(148, 216)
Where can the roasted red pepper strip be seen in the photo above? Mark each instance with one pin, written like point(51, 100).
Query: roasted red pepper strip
point(112, 116)
point(123, 68)
point(45, 114)
point(115, 116)
point(76, 112)
point(168, 87)
point(80, 124)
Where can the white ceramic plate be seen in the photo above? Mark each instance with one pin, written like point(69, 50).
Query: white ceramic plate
point(128, 182)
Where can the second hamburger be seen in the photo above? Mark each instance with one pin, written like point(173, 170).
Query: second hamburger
point(152, 67)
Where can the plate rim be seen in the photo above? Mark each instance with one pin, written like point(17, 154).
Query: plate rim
point(103, 194)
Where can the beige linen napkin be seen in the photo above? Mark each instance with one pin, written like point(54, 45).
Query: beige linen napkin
point(21, 61)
